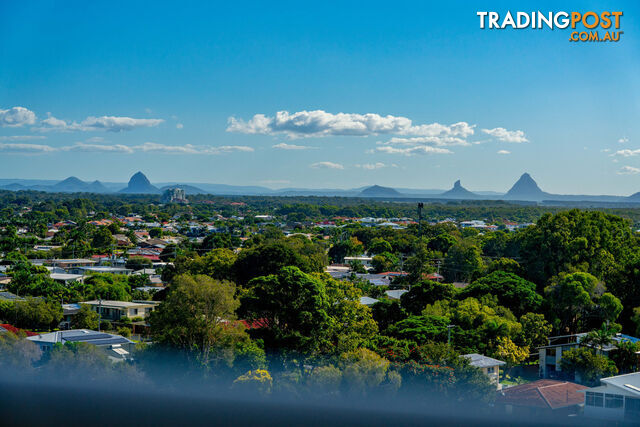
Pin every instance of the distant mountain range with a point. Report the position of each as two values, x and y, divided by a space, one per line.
525 189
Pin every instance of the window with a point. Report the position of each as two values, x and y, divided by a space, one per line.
593 399
490 370
613 401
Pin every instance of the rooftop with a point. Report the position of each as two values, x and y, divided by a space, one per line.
480 361
548 394
80 335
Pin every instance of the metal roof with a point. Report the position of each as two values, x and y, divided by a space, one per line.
480 361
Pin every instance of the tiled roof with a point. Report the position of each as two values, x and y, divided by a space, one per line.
550 394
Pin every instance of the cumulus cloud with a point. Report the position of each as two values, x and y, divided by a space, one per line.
16 117
504 152
319 123
98 148
623 140
147 147
283 146
410 151
501 134
21 137
104 123
326 165
627 153
372 166
628 170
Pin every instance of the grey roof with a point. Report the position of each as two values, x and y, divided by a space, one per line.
628 382
368 300
80 335
396 293
480 361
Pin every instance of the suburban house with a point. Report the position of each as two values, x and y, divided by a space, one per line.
364 260
542 397
550 355
368 301
489 366
616 398
101 269
69 263
66 278
117 347
116 310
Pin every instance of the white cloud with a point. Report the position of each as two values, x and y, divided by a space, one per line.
179 125
98 148
440 141
16 117
628 170
605 150
627 153
623 140
410 151
320 123
501 134
25 148
283 146
104 123
21 137
504 152
372 166
326 165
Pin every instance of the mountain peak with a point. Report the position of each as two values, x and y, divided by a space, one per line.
380 191
526 188
459 192
140 184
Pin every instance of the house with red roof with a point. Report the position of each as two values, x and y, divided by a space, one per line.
542 397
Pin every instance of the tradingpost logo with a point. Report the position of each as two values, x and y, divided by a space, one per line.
586 26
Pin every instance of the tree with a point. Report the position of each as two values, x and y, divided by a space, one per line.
507 265
508 351
85 318
462 262
198 317
535 330
379 246
103 240
599 338
138 263
586 366
571 296
217 263
625 356
513 292
269 258
363 370
424 293
421 329
344 248
386 312
308 313
36 313
385 261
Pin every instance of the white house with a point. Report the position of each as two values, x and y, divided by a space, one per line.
488 365
616 398
115 346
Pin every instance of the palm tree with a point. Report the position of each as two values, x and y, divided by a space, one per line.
599 338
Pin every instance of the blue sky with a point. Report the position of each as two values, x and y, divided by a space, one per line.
426 96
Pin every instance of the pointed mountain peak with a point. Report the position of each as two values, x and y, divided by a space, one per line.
526 188
459 192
